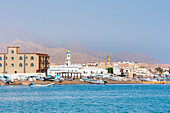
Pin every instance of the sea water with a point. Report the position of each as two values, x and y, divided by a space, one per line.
86 98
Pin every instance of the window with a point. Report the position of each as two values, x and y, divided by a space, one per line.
26 57
6 58
12 65
12 51
0 58
32 65
20 58
20 65
12 58
0 65
26 64
32 58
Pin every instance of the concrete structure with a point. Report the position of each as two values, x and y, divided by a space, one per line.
15 62
106 64
108 60
68 60
92 71
75 71
92 64
116 70
65 71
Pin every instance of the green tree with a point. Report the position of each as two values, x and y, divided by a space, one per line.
159 69
110 70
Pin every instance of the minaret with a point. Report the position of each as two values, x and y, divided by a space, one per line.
108 60
68 63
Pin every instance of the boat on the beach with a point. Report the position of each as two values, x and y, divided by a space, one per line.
117 78
93 81
6 79
41 85
56 78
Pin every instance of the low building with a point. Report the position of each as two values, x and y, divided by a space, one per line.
105 64
92 64
75 71
65 71
15 62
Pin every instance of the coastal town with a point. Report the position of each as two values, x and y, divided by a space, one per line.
36 69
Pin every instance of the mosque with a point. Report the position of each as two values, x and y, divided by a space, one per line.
74 71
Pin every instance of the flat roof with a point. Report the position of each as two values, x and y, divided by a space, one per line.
12 47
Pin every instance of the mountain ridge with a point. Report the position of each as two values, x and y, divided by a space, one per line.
9 34
30 42
57 55
117 57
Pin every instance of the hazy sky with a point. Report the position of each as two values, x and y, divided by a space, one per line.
141 26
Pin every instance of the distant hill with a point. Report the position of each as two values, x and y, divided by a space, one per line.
30 42
57 55
9 34
122 56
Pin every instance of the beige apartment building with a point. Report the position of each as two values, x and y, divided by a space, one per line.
15 62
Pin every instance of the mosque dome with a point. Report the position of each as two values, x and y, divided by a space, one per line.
68 52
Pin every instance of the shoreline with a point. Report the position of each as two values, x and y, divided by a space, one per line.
76 82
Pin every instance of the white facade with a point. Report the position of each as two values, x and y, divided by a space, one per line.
68 60
116 70
75 71
63 69
92 71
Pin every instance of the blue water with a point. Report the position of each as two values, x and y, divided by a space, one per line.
86 98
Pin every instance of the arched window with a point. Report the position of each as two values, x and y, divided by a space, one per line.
20 58
0 58
32 65
12 65
32 58
20 65
12 51
12 58
0 65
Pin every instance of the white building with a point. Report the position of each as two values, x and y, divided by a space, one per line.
68 60
74 71
92 71
116 70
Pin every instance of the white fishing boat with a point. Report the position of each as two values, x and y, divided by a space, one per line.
93 81
41 85
97 82
117 78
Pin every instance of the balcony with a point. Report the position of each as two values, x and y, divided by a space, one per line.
44 61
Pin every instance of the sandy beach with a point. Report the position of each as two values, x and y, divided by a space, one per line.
65 82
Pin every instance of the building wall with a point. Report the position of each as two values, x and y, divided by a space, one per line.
15 62
28 62
2 63
12 65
